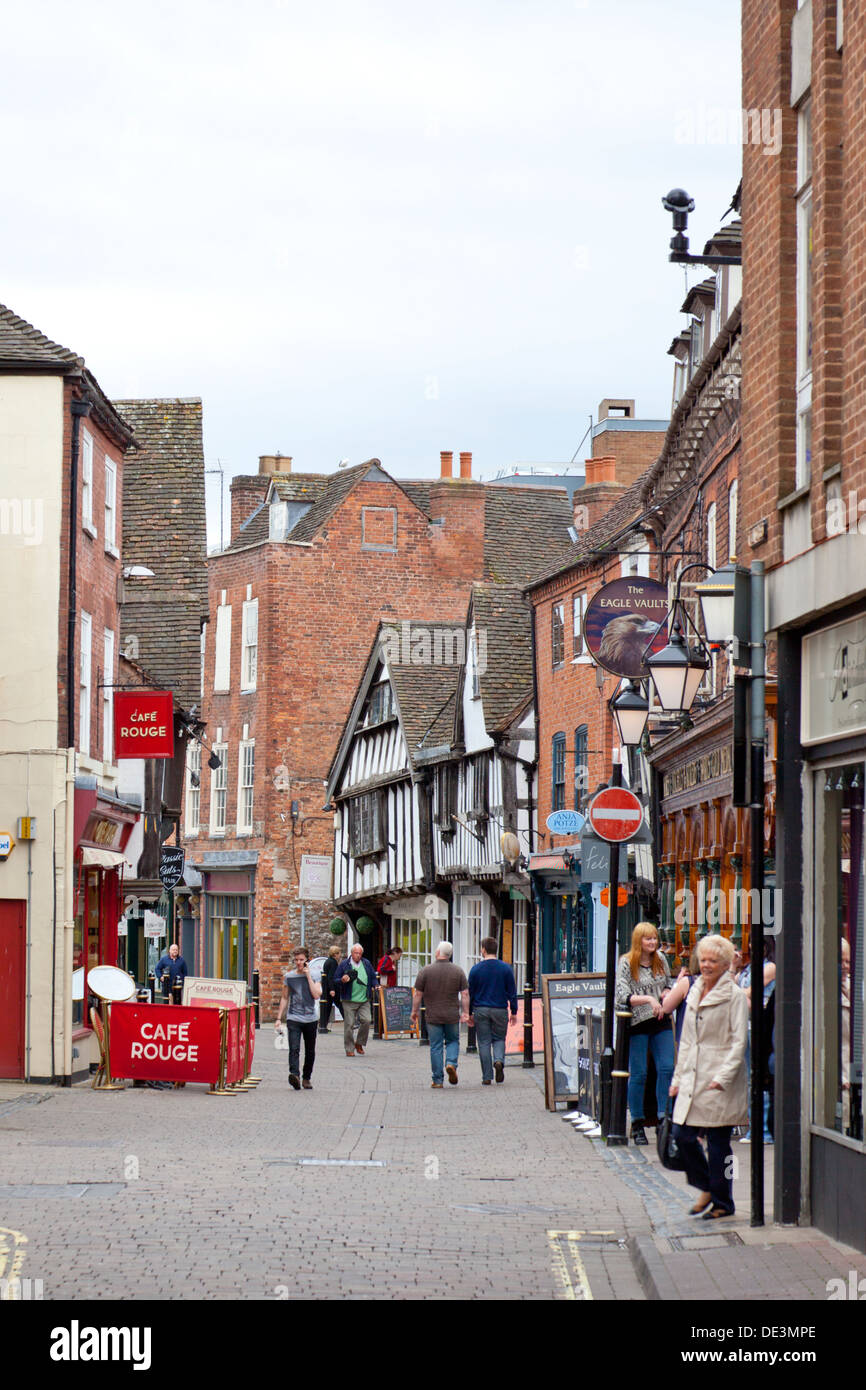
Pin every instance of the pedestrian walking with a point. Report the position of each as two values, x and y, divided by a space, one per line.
300 1008
444 991
492 990
642 984
357 980
387 968
710 1080
330 989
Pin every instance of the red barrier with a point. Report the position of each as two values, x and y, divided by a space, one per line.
234 1052
149 1042
252 1012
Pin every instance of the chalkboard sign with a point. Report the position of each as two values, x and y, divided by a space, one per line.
563 996
395 1012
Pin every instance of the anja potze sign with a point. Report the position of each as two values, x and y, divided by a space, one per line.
621 621
143 724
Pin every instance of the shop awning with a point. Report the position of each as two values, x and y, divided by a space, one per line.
101 858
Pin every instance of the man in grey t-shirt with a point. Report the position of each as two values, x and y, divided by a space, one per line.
299 1005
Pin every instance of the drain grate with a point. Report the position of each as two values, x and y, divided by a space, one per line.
341 1162
717 1241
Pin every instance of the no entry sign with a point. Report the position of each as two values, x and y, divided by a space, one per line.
615 814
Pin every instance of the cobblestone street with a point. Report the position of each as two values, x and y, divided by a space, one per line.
370 1186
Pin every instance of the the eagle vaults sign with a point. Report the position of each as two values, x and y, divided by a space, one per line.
143 724
621 621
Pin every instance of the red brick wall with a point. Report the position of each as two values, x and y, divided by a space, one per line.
319 608
97 574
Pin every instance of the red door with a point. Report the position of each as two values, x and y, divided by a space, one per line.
12 988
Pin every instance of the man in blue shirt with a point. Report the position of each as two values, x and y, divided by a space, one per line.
171 963
491 990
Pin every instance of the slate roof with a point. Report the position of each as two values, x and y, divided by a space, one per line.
505 615
24 349
425 692
164 529
290 487
23 345
522 524
603 536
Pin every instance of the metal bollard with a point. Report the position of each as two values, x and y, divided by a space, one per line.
256 998
423 1037
528 1060
616 1135
151 980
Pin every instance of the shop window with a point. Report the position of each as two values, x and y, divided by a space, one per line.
193 787
840 887
415 937
472 912
228 936
446 797
250 644
519 941
581 765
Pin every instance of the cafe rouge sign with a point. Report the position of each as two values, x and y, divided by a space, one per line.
143 724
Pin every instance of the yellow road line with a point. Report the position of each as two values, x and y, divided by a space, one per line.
568 1267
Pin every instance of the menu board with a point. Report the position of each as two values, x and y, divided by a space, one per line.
562 997
395 1011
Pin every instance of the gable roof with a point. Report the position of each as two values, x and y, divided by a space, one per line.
600 539
164 529
504 614
521 524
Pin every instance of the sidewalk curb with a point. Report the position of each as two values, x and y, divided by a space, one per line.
649 1267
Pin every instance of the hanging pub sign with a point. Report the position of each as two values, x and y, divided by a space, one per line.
621 621
170 866
143 724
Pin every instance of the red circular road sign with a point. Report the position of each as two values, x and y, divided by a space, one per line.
615 814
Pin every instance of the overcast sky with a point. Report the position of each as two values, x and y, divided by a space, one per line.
365 229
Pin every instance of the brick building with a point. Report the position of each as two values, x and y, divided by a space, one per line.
315 562
803 484
575 731
62 451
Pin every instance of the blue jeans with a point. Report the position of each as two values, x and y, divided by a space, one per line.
491 1027
661 1045
710 1171
441 1035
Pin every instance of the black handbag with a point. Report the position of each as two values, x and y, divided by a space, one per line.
666 1145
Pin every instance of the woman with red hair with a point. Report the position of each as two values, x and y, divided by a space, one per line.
642 982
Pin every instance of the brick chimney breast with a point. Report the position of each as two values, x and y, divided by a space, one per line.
466 465
446 463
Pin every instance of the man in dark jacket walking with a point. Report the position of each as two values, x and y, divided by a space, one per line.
491 990
357 980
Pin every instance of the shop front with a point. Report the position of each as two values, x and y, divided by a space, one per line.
102 826
565 912
224 948
704 865
833 736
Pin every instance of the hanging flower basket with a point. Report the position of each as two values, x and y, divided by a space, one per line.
338 927
365 925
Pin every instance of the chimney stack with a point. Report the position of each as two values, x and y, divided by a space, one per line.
466 465
601 470
600 491
275 463
446 463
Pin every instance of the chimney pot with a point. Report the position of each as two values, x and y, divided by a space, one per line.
600 470
275 463
446 463
466 465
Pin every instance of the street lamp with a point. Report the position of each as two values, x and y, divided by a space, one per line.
724 599
677 671
630 709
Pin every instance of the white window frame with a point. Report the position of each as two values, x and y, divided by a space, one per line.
222 649
108 697
84 684
733 502
246 783
249 649
712 537
219 790
87 483
557 616
805 226
519 941
193 793
111 508
578 609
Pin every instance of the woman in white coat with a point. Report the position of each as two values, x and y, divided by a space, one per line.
710 1081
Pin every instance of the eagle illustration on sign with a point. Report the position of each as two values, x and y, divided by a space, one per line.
623 622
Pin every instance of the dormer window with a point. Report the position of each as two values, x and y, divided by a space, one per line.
283 517
380 705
